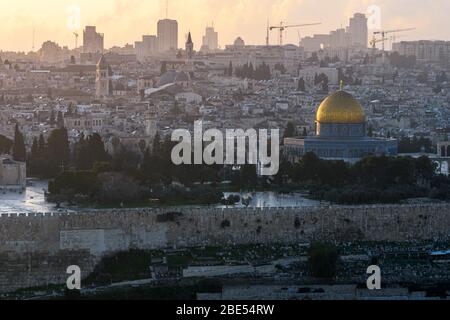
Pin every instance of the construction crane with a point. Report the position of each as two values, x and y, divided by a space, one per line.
282 27
374 41
384 33
76 39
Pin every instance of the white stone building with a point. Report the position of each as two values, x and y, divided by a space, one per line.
12 174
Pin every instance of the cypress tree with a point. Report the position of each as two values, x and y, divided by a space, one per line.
41 144
35 148
301 85
60 120
52 118
19 151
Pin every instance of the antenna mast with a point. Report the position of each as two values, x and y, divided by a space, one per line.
167 9
34 36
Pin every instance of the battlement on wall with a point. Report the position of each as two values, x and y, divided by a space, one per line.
206 209
199 225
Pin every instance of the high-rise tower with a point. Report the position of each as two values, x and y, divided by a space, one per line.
93 42
210 40
167 35
358 30
103 78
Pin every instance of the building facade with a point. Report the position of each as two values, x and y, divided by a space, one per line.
424 50
167 35
210 40
356 35
12 174
358 30
147 47
93 42
340 133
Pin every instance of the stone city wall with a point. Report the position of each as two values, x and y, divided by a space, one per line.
36 249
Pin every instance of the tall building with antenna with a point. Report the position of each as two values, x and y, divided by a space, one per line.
358 30
34 39
210 39
167 33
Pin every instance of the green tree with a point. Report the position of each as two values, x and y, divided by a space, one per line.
323 260
35 148
5 144
370 131
230 69
89 151
301 85
19 151
60 120
290 131
425 169
52 120
163 68
41 144
58 148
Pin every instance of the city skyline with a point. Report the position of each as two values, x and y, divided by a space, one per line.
126 21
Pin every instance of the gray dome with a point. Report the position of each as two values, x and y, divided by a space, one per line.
173 77
239 42
182 76
166 78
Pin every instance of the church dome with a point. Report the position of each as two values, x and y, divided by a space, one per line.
239 42
342 108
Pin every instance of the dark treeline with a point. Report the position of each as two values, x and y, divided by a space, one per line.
48 158
131 177
88 172
321 79
15 148
371 180
247 71
348 76
415 145
5 144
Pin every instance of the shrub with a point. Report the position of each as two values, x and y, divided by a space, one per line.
225 224
323 260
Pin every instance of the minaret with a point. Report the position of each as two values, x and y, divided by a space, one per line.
103 78
189 47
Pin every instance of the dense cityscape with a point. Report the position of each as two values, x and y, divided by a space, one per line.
87 176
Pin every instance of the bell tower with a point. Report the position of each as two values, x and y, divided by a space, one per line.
103 78
189 47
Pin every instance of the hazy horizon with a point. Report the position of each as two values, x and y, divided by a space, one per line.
125 21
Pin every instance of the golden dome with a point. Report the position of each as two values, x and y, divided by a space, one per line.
340 107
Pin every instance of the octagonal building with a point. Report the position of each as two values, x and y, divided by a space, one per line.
341 133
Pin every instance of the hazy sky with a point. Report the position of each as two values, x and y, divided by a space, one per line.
124 21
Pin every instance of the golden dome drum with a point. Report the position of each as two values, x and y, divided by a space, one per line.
340 107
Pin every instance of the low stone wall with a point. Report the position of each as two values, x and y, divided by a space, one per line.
36 249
